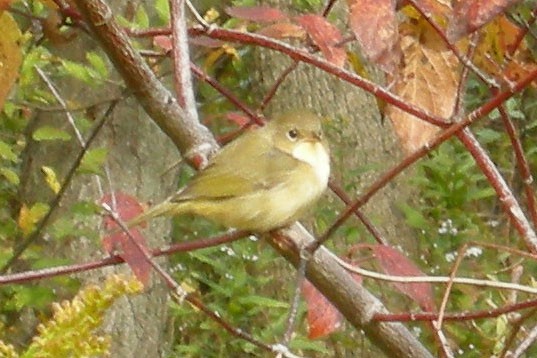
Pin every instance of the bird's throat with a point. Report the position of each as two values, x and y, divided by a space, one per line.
316 155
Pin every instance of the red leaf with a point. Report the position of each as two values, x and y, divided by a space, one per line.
323 318
134 255
127 207
374 24
325 35
256 13
395 263
163 41
282 30
469 15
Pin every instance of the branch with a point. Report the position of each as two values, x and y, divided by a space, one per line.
354 302
181 60
194 140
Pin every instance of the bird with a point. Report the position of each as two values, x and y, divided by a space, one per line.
265 179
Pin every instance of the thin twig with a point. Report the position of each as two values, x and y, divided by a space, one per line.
462 316
23 245
28 276
272 91
526 343
434 279
181 60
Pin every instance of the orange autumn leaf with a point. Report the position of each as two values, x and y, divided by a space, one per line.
10 55
322 317
428 78
500 53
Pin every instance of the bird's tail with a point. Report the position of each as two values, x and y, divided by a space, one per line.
164 208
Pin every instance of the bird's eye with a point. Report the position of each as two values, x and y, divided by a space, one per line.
292 134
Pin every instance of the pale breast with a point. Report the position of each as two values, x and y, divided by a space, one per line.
316 155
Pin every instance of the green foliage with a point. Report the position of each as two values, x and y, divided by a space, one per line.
245 282
21 122
93 161
457 205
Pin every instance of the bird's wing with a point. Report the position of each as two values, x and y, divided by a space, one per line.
239 170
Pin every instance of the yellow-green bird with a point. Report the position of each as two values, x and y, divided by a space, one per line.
265 179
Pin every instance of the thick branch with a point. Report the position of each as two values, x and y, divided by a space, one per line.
194 140
355 302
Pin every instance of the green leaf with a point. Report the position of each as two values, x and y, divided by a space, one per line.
98 64
50 133
10 175
163 10
85 208
78 71
33 296
140 18
414 218
93 161
51 178
6 152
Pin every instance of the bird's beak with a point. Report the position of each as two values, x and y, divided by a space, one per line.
315 137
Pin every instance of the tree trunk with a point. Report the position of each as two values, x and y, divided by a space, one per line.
138 163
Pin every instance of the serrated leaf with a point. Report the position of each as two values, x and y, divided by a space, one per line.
51 179
98 64
10 175
50 133
93 161
6 152
428 79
